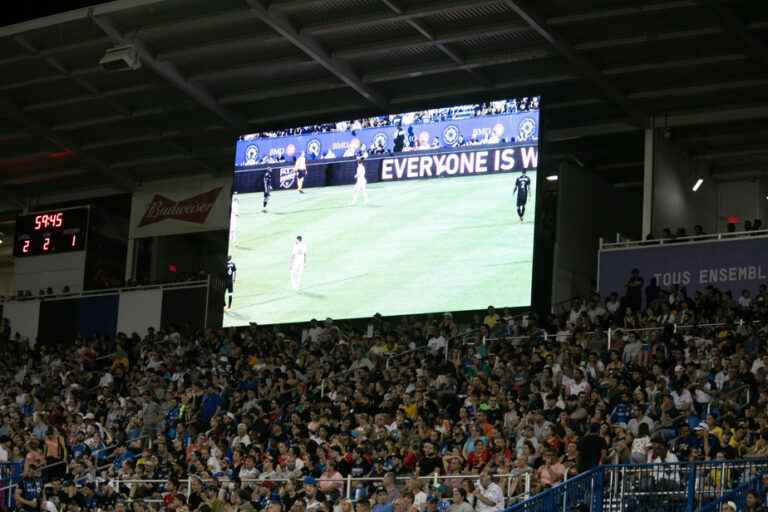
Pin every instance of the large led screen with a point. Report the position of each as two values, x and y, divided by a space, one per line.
409 213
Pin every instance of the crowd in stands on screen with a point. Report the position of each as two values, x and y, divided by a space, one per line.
411 118
698 231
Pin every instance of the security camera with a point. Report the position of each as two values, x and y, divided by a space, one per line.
121 58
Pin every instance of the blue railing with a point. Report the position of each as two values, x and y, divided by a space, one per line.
672 487
737 495
585 489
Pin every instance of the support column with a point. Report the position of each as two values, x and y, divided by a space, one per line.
648 164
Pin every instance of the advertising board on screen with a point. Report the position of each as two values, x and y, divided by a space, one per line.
407 213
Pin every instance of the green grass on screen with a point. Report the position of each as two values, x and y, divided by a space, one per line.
419 246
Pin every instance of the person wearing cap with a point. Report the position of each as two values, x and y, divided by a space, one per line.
313 498
432 503
730 506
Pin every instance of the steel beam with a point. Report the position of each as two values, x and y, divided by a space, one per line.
452 36
581 64
417 11
75 15
170 73
311 47
755 48
43 131
422 29
83 98
222 46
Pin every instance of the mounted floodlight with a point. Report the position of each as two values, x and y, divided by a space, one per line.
121 58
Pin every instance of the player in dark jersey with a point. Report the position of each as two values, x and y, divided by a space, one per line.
230 280
522 186
267 188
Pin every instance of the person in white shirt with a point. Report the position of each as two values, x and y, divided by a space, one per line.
632 349
360 181
3 450
242 438
759 363
234 215
436 343
298 260
660 455
746 299
419 496
106 380
681 397
490 497
613 304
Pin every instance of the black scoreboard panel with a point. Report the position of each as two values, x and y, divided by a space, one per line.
51 232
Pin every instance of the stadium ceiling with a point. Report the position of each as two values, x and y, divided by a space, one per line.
214 69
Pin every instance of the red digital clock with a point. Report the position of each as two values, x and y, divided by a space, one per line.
49 220
51 232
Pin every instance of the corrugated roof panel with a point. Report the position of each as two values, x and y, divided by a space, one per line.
244 62
62 35
308 12
199 31
509 41
490 12
645 23
275 78
400 57
351 36
172 11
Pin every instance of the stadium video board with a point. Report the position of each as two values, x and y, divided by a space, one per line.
410 213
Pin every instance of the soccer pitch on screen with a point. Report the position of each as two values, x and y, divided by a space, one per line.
418 246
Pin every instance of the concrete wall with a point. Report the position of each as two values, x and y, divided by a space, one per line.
675 204
742 199
588 208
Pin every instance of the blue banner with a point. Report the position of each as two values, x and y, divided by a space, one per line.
391 138
404 166
733 265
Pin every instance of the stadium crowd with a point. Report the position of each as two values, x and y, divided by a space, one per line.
276 419
434 115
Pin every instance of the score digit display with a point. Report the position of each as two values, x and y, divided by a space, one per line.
51 232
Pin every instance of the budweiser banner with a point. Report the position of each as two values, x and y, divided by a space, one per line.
181 206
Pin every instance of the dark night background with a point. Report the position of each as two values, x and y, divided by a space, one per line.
24 10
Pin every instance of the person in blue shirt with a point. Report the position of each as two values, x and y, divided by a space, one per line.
209 406
383 504
29 491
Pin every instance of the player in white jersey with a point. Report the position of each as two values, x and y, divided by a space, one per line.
360 181
300 169
233 216
298 259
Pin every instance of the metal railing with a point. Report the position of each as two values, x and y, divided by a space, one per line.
356 487
585 489
668 487
736 235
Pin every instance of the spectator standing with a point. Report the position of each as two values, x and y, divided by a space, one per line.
634 291
592 449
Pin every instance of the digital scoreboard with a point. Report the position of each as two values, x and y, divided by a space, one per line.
51 232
